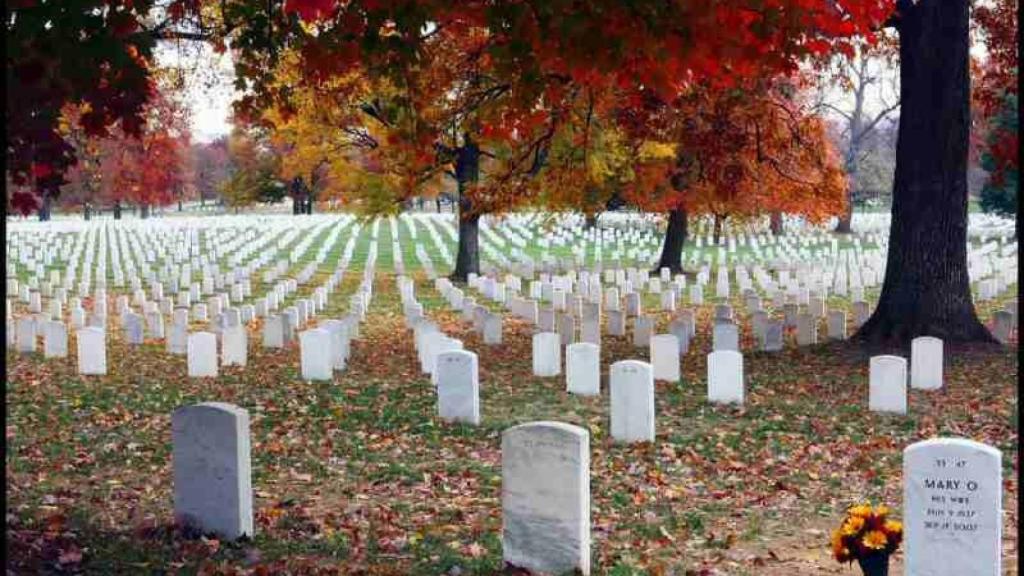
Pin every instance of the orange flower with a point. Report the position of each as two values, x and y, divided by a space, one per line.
881 511
875 540
860 510
893 527
853 525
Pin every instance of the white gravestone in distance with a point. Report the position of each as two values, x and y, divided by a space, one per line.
631 390
92 351
234 346
926 363
952 508
583 369
202 355
545 497
725 336
547 354
887 381
665 357
315 354
212 470
725 377
458 386
55 339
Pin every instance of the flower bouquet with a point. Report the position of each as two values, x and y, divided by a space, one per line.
868 536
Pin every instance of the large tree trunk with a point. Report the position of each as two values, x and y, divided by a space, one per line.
117 210
144 211
467 173
776 224
926 289
675 237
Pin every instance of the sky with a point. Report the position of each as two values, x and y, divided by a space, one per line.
209 88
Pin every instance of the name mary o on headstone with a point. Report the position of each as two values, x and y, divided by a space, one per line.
545 497
212 471
952 508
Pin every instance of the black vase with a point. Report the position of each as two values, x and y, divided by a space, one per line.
874 565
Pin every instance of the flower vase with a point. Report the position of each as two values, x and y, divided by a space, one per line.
874 565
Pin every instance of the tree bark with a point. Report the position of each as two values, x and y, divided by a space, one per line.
717 233
467 173
926 289
437 201
179 205
87 211
675 237
776 224
144 211
590 221
45 208
117 210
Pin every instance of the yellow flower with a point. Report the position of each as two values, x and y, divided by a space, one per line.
875 540
881 510
893 527
853 525
860 510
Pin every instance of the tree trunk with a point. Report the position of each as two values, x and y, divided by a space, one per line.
590 221
202 201
467 173
926 289
717 233
776 224
179 205
117 210
87 211
45 207
675 237
296 205
144 211
437 201
850 164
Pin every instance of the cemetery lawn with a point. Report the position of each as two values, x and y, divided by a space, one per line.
358 475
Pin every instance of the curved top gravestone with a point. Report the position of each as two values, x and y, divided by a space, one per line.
545 497
952 508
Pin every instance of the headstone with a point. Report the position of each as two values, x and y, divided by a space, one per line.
616 323
888 384
643 329
547 354
567 329
665 357
861 313
725 337
837 325
1002 325
545 497
806 329
26 335
583 369
952 508
725 377
926 363
681 330
632 401
134 328
92 351
458 386
212 471
202 355
492 329
773 332
55 339
234 346
273 331
315 354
